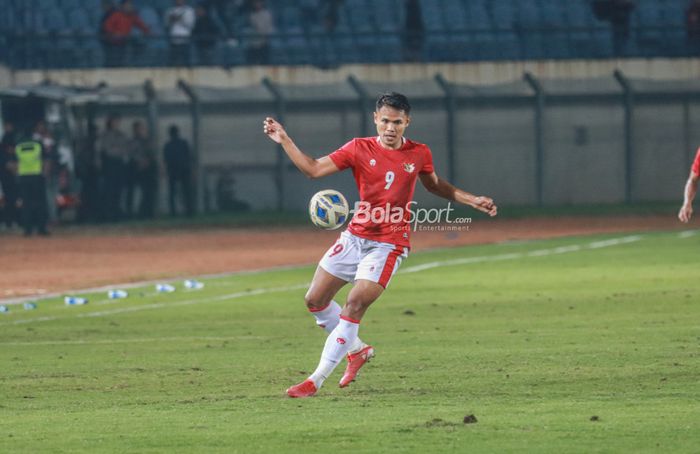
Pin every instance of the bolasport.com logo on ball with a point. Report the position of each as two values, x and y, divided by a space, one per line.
411 217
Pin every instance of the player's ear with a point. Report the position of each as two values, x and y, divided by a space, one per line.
376 117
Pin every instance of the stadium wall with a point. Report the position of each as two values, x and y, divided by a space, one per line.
468 73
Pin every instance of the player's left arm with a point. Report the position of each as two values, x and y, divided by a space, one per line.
444 189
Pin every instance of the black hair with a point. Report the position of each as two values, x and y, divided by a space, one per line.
394 100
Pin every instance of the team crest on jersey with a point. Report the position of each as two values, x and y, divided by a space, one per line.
373 162
409 167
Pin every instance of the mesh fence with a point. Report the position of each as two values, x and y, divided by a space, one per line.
596 144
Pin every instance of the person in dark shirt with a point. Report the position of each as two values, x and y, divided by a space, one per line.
413 33
692 21
204 35
8 176
176 154
618 13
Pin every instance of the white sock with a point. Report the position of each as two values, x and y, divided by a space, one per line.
343 336
328 318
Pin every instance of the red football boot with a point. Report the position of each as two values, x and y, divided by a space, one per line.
355 362
307 388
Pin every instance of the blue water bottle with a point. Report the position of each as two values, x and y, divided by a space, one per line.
193 285
75 301
117 294
165 288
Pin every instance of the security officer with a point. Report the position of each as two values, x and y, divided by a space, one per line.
32 186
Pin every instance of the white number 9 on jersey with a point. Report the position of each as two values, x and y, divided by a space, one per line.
389 179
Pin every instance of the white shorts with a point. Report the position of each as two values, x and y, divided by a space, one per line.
352 258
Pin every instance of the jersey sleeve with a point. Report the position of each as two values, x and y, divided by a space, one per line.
344 157
427 162
696 164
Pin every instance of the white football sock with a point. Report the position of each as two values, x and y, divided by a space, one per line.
328 318
343 336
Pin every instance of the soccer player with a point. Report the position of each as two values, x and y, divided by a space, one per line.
368 253
691 188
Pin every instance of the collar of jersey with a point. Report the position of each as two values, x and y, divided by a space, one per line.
403 142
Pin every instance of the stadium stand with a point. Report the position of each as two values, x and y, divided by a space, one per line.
63 33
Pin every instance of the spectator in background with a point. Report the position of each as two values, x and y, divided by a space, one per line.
31 168
180 20
205 35
113 157
692 21
309 11
263 26
331 14
221 9
117 30
107 9
618 13
413 33
8 174
178 164
142 171
43 135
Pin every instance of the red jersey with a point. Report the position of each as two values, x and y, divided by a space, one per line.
386 180
119 24
696 164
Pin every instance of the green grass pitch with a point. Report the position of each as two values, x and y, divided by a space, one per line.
568 345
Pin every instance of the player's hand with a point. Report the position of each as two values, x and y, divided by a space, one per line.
686 213
274 130
486 205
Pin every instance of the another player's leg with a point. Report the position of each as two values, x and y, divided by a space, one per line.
342 337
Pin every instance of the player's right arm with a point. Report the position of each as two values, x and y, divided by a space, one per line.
312 168
691 188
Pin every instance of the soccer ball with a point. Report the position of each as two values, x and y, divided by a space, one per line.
328 209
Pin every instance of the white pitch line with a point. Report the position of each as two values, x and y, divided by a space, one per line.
236 295
519 255
687 233
134 340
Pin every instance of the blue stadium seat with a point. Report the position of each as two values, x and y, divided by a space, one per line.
46 5
389 14
289 18
586 34
152 19
79 22
67 5
359 16
54 21
503 14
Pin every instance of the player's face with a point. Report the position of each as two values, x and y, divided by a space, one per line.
391 124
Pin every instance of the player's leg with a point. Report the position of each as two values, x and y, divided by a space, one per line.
374 272
336 268
345 334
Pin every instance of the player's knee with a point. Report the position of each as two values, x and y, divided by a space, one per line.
314 301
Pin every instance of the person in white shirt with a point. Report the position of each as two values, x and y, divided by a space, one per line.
180 20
